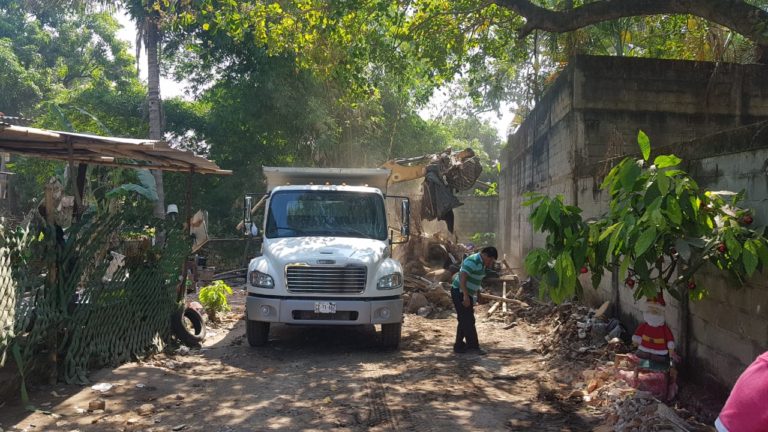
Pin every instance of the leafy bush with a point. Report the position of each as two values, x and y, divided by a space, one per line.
482 239
213 297
660 229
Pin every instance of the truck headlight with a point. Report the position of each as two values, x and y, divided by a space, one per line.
261 280
391 281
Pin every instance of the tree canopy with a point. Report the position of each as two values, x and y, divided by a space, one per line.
333 83
502 50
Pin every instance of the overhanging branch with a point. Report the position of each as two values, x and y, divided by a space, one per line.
737 15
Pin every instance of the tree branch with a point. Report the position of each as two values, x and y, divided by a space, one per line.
737 15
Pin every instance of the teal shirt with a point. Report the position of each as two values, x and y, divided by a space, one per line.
475 270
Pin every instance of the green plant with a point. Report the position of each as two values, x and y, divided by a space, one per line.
491 191
213 297
482 239
660 229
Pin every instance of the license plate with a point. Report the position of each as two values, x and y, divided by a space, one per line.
325 307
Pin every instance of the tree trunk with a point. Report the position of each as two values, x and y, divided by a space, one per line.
153 100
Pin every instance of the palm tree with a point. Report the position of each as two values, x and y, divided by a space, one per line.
147 20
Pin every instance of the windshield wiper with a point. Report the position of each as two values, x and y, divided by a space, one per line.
348 230
295 230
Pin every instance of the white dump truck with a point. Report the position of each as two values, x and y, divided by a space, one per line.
326 252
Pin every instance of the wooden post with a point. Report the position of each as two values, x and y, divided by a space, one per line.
685 313
182 291
52 286
504 294
616 295
82 171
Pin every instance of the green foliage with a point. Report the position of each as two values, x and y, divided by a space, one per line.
147 189
660 229
483 239
440 40
491 191
213 297
65 68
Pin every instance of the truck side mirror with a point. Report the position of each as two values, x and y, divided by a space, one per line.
405 216
248 221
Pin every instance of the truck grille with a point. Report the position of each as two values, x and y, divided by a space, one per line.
305 279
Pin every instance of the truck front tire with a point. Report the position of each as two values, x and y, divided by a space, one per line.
257 332
390 335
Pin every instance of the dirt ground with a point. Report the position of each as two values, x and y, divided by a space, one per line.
321 379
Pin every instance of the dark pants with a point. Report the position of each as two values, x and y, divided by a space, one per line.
465 330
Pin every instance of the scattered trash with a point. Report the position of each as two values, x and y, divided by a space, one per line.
102 387
140 385
179 427
145 410
97 404
424 311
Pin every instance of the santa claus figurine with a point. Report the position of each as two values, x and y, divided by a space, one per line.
653 338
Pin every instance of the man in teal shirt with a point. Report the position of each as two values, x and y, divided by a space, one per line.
464 291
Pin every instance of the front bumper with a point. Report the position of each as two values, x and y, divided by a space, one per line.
301 311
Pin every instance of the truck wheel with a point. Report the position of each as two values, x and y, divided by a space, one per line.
257 332
390 335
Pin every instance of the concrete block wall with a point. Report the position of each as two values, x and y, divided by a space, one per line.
479 214
592 114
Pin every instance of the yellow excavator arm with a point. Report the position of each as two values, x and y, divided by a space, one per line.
401 173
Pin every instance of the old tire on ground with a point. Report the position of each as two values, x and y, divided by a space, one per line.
390 335
257 332
188 326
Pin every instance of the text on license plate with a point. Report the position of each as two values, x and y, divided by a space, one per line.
325 307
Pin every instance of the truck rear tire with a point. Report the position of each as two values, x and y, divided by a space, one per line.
390 335
257 332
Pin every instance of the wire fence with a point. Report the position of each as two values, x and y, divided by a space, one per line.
67 305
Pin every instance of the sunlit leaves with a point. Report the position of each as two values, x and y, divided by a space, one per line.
660 229
645 145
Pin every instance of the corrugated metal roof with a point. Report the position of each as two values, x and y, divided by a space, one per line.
94 149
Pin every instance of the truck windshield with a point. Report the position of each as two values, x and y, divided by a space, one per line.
326 213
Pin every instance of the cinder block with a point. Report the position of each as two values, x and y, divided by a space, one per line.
722 367
725 341
747 327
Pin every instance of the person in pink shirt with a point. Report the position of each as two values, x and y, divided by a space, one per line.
746 409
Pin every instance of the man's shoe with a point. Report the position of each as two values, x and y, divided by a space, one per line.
459 350
477 351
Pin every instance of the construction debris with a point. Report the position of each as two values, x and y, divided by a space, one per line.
581 345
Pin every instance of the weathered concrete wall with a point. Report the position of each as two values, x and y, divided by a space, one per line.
592 114
479 214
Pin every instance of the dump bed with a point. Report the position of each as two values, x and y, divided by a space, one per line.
372 177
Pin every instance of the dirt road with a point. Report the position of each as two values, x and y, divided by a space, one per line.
319 379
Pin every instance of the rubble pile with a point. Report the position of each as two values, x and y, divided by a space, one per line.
427 298
580 345
641 412
430 265
577 332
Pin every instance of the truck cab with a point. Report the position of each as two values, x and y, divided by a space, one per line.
326 253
